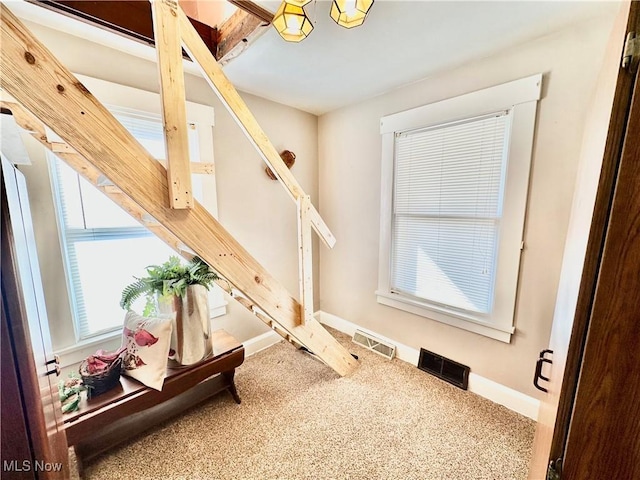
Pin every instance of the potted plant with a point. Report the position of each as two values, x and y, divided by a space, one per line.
181 290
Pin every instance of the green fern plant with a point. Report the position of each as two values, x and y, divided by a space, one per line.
170 278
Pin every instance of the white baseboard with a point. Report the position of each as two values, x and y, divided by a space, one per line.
497 393
403 352
508 397
256 344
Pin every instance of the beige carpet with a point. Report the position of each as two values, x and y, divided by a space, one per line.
298 420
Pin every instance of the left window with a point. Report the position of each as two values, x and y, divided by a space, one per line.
104 247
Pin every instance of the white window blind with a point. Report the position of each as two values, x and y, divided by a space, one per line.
447 204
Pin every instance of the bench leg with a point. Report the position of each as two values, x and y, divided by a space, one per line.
75 464
229 377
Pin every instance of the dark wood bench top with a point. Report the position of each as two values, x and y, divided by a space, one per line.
132 396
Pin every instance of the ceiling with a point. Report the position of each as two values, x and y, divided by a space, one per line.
400 42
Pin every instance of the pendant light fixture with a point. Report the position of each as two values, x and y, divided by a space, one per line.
291 21
350 13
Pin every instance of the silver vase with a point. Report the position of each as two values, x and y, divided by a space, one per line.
191 333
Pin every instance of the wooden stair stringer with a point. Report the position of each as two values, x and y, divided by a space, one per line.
50 93
93 176
275 326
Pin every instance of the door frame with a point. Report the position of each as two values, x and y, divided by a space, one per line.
602 439
41 406
585 359
596 242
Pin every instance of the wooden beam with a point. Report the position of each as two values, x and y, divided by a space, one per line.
26 121
203 168
247 122
111 190
197 168
36 79
85 169
305 258
172 94
93 176
254 9
57 147
235 34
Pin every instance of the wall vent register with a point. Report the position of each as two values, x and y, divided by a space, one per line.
453 372
374 344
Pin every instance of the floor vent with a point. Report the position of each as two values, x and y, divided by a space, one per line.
374 344
443 368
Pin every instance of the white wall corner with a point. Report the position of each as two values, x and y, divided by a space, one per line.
256 344
496 392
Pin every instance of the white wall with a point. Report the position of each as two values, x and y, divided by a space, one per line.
254 208
350 145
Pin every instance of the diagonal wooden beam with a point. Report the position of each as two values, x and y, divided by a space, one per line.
174 111
40 83
37 130
254 9
235 34
244 118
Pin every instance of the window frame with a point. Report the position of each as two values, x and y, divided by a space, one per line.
520 97
125 100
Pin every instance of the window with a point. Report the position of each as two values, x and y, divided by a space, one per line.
104 247
454 187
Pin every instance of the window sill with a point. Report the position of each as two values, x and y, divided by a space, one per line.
81 350
417 308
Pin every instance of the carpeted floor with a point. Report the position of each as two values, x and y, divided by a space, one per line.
299 420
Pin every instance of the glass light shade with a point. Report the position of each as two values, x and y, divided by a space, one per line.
350 13
292 22
299 3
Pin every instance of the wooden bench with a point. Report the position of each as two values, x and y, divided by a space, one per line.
131 407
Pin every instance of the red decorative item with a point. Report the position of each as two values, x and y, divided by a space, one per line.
141 338
144 338
100 372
